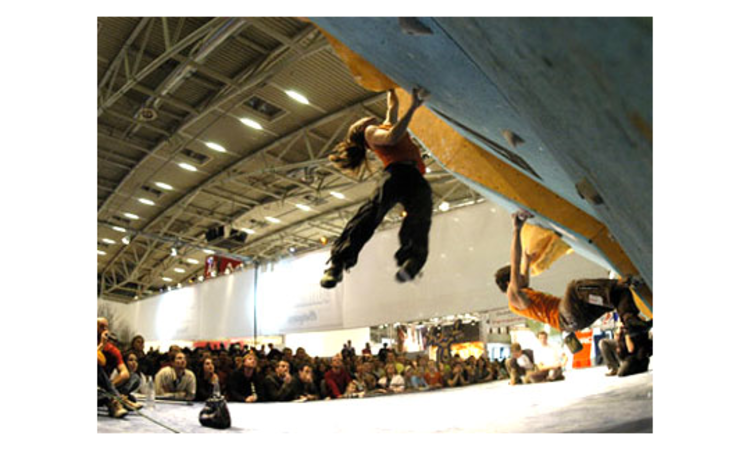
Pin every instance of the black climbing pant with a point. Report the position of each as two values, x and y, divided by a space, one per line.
402 183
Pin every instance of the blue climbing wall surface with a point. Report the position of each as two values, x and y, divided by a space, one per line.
577 91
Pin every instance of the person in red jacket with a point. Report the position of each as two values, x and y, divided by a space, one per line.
337 378
403 182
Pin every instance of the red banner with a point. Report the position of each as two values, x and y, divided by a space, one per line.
583 358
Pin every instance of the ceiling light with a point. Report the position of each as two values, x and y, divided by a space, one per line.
292 249
299 97
201 278
192 261
303 207
101 252
108 241
187 166
120 229
251 123
324 240
179 270
131 216
167 279
179 285
126 240
445 206
338 195
272 219
208 251
247 231
215 146
146 201
403 213
164 185
428 170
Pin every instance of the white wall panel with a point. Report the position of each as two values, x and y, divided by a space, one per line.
326 344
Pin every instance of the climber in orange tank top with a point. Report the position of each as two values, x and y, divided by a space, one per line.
584 300
403 182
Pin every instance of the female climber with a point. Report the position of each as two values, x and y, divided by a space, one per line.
402 182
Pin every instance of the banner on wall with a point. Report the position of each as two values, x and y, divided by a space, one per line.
290 298
216 265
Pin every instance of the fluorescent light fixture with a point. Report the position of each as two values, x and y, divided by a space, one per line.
303 207
208 251
131 216
179 270
428 170
120 229
247 231
167 279
108 241
292 249
445 206
251 123
164 185
126 240
173 252
101 252
215 146
187 166
146 201
272 219
192 261
299 97
338 195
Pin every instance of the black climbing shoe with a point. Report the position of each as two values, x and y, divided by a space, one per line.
408 271
331 277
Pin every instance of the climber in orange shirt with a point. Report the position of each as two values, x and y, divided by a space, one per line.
584 300
403 182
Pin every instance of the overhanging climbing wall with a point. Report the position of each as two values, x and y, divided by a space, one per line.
577 92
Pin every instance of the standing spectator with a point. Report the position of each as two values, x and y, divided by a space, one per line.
383 353
278 385
208 380
337 379
367 350
273 353
246 383
176 381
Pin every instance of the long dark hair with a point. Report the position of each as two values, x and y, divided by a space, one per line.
350 154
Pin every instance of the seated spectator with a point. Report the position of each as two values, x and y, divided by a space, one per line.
337 378
520 364
391 359
458 375
483 371
362 383
433 376
176 381
368 376
621 356
109 355
549 358
246 384
278 385
378 369
392 381
132 384
207 380
303 385
414 378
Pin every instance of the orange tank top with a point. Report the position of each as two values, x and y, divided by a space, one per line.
543 308
404 150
